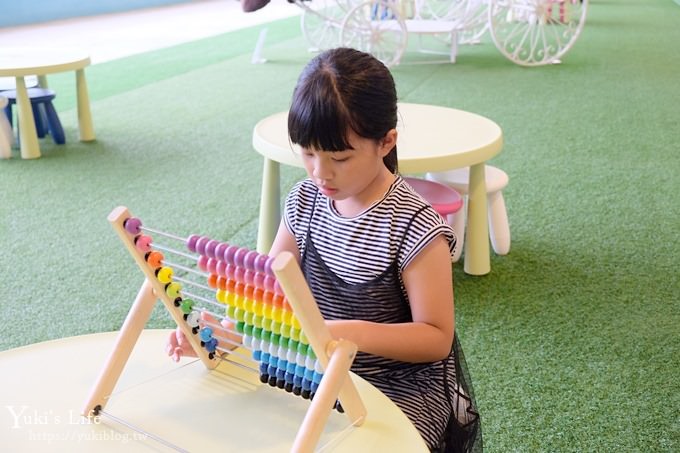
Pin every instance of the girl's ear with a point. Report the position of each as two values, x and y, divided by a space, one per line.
388 142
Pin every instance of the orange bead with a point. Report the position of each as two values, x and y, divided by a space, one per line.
154 259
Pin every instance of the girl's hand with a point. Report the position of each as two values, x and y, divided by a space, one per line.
178 345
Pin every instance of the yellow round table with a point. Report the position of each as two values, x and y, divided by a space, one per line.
177 407
22 62
431 138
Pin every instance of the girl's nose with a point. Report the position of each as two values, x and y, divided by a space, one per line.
322 170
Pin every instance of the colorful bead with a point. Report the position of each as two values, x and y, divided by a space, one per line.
164 274
186 306
206 334
173 289
154 259
143 243
210 248
191 242
132 225
193 318
229 254
219 250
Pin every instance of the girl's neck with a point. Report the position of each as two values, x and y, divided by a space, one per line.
373 193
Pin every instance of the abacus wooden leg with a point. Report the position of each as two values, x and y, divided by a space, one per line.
125 342
335 376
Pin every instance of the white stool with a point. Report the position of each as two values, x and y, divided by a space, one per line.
496 179
6 133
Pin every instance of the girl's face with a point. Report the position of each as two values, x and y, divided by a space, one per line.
355 175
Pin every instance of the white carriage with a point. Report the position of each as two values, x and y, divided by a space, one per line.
528 32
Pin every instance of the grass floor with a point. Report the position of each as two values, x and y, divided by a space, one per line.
572 340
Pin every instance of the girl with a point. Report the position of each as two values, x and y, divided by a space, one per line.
376 256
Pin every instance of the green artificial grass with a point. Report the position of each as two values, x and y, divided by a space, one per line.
572 339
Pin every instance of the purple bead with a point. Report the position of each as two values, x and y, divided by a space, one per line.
210 248
229 254
219 250
133 225
240 256
249 260
260 262
268 266
201 243
191 242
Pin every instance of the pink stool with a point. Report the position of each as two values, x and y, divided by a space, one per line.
446 201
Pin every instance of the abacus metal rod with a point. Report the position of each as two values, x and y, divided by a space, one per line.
162 233
185 268
176 252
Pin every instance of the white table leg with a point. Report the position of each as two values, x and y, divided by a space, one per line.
30 149
477 261
270 210
84 114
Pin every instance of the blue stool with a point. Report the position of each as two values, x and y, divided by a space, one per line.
43 112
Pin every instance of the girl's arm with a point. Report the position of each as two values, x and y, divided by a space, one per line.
284 241
429 284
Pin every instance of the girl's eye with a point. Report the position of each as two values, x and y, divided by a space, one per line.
341 159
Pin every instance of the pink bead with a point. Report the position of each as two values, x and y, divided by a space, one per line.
133 225
239 274
203 263
222 268
277 288
143 243
269 282
229 271
191 242
212 265
249 277
258 280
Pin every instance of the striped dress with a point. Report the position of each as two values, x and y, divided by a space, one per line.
353 267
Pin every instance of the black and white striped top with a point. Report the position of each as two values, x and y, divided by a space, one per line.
361 247
353 267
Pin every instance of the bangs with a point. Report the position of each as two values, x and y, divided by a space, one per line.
318 119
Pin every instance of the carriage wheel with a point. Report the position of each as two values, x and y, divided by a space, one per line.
536 32
321 22
476 22
376 27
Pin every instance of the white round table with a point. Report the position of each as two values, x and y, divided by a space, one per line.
45 386
431 138
21 62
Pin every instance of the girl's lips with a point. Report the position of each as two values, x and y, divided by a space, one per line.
328 191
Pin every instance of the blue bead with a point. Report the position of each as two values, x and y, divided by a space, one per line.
206 334
257 354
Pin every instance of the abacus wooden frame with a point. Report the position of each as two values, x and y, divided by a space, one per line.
336 357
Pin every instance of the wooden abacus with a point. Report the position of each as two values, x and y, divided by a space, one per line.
267 300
